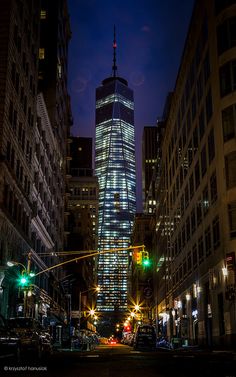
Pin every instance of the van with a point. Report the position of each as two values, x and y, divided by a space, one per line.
145 338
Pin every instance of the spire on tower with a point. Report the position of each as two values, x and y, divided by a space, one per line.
114 67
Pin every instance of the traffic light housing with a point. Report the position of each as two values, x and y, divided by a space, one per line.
145 259
137 256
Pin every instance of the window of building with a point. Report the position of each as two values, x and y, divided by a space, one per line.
229 122
205 200
186 196
216 232
8 151
194 253
179 243
197 175
195 140
202 123
199 211
10 112
228 78
200 250
188 233
15 116
203 161
13 72
41 53
232 219
182 205
226 35
213 188
17 82
184 134
208 241
190 154
194 107
230 167
191 186
182 106
193 220
189 261
211 146
209 105
185 267
43 14
206 67
199 87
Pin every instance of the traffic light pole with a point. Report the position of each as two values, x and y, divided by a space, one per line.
92 254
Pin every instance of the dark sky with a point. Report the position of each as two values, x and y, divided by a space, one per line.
150 39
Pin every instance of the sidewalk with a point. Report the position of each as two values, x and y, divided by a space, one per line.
82 348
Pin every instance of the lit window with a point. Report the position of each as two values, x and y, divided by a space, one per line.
41 53
59 70
43 14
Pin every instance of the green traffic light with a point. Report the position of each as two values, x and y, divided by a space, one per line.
146 262
23 281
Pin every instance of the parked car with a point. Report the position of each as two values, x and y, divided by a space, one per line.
145 338
9 342
33 337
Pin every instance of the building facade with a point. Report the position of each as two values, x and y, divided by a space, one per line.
115 169
82 218
149 160
32 168
195 219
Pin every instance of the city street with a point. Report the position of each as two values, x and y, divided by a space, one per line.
122 361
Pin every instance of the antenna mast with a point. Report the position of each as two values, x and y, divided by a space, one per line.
114 67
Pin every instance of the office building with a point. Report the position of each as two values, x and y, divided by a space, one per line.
115 169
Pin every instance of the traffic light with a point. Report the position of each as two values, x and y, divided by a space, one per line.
145 259
24 280
137 256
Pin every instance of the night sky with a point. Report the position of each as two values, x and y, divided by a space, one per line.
150 38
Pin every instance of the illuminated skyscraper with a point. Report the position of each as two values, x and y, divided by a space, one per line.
115 168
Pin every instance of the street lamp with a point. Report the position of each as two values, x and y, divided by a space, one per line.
13 263
95 289
24 279
92 312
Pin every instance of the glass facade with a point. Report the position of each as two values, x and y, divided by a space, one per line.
115 169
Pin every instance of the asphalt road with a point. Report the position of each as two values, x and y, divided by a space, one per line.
122 361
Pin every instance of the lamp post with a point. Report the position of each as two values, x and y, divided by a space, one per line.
95 289
24 280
